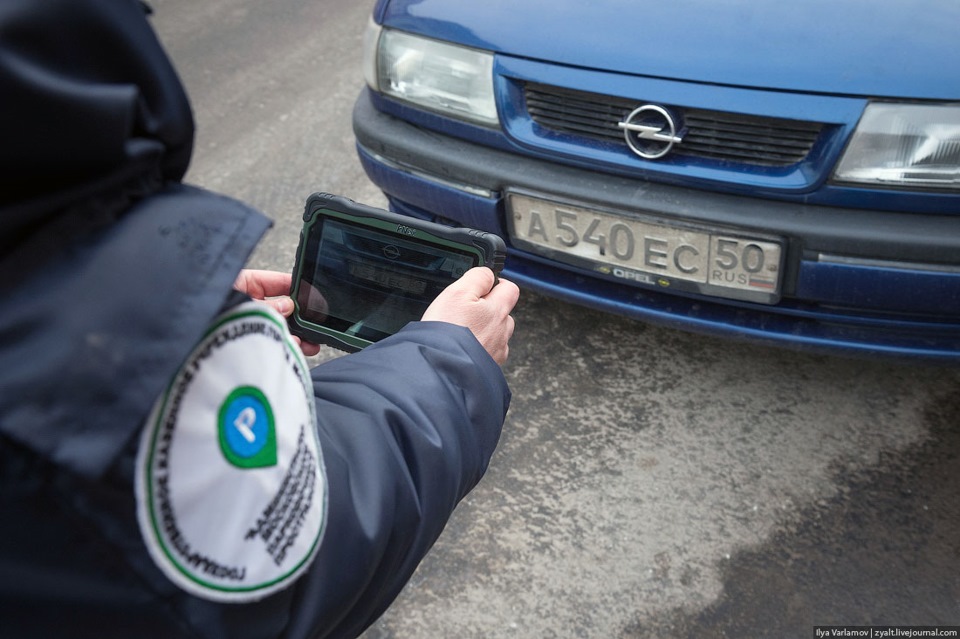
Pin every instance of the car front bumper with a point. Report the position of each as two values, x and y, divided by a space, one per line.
862 281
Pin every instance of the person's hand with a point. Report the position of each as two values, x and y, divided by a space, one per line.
272 288
474 302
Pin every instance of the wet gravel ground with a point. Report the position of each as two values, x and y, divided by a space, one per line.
884 550
683 486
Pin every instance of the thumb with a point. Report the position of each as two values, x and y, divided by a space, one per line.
477 282
283 305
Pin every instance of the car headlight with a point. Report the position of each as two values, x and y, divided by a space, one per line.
906 145
451 79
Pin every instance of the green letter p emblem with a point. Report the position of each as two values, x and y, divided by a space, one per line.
248 437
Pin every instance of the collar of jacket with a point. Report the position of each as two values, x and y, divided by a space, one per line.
92 336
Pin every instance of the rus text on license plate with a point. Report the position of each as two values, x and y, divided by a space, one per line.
647 250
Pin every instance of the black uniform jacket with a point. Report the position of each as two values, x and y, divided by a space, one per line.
111 271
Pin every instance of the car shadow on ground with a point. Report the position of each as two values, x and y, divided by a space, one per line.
883 551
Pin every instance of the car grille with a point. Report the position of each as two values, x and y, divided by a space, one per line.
405 256
718 135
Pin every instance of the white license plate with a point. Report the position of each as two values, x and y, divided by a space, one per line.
648 250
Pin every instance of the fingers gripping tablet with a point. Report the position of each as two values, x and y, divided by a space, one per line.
363 273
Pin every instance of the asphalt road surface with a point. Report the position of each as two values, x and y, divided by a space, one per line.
649 483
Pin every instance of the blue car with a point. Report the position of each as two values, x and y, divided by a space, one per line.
777 171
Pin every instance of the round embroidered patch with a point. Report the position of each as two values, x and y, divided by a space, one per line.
231 488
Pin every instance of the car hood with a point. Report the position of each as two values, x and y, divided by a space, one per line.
862 47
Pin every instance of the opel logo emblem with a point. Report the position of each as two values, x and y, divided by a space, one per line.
391 252
650 131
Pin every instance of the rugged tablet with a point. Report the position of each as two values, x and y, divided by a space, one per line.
363 273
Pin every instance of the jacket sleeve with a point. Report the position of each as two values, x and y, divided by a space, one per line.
407 427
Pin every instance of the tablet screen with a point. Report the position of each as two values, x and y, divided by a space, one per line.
369 283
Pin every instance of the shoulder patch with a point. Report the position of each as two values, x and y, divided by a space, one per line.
231 487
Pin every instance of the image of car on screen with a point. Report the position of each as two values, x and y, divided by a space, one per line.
370 285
